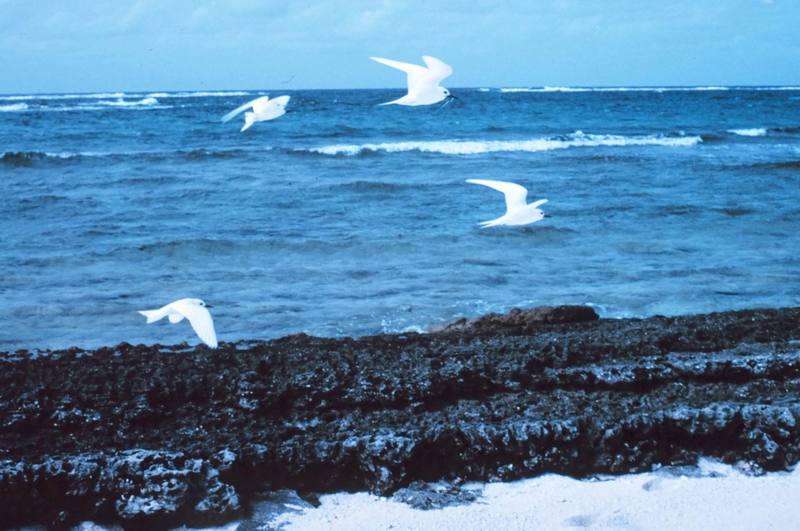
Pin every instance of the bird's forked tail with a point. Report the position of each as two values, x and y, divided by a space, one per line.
249 120
153 315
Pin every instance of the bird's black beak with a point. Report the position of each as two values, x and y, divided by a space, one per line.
209 306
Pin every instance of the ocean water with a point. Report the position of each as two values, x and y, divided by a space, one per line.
346 218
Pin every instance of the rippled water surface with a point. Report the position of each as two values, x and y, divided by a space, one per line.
344 218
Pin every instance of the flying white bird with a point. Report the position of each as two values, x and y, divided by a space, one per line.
263 109
192 309
518 212
423 83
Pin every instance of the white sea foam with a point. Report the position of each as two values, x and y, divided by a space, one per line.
105 106
120 95
518 89
128 103
208 94
778 88
754 131
57 155
475 147
98 95
14 107
615 89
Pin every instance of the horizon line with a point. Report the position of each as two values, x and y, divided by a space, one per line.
474 87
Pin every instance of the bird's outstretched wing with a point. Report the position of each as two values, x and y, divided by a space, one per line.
416 74
274 107
201 322
267 110
515 194
280 101
408 68
437 68
242 108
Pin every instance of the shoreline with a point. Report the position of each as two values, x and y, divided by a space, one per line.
698 497
154 436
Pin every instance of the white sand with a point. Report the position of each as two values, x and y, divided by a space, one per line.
721 499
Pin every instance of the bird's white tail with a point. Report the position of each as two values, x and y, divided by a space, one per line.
153 315
249 120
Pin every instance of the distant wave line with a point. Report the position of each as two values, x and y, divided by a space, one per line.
128 103
200 94
14 107
102 105
23 158
118 95
97 95
752 131
475 147
546 89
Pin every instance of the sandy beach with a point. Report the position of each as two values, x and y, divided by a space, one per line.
713 496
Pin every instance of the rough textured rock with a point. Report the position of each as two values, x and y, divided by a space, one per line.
153 436
522 321
436 495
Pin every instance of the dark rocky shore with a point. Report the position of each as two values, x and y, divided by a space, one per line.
153 436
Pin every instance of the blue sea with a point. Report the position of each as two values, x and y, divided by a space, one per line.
344 218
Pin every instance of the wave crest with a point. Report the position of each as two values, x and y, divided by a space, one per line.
477 147
199 94
753 131
26 158
127 103
14 107
97 95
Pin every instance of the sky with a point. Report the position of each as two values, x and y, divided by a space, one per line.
133 45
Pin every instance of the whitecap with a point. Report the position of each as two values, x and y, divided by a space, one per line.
207 94
14 107
789 87
612 89
123 103
566 89
476 147
96 95
753 131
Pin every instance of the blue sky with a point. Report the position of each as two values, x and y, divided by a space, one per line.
82 46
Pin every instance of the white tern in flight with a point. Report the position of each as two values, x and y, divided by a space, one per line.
518 212
195 310
263 109
423 82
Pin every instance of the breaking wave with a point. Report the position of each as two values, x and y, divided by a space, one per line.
26 158
199 94
475 147
623 89
97 95
14 107
127 103
753 131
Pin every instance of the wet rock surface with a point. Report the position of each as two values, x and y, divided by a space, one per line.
153 436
